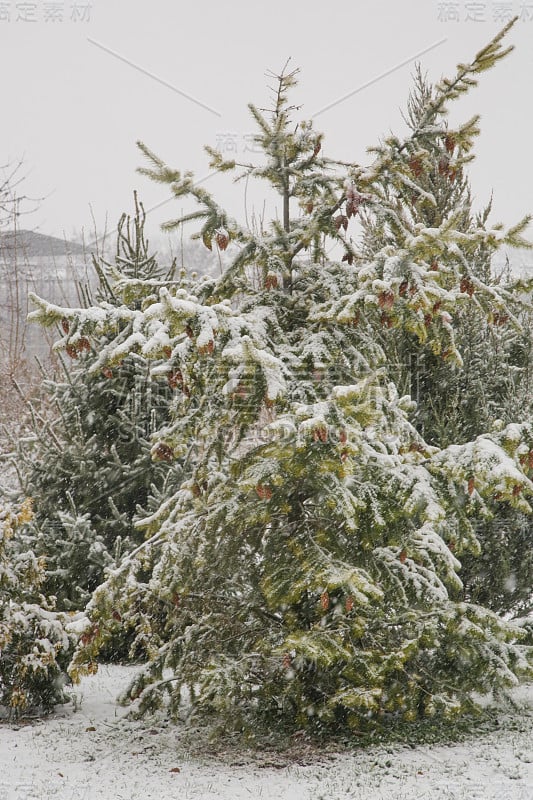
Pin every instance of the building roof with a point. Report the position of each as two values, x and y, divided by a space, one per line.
30 244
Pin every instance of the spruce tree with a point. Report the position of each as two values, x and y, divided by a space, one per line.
306 569
35 647
492 385
88 466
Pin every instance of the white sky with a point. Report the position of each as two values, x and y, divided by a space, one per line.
74 111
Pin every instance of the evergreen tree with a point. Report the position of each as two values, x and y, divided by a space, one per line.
458 401
35 647
307 567
89 468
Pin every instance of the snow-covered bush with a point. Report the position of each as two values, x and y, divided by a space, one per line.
35 647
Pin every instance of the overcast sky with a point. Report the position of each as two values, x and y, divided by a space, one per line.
80 84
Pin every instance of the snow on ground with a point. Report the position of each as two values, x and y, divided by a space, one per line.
93 751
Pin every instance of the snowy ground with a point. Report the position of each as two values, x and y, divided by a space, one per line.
95 752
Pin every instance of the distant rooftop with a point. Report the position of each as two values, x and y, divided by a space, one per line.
30 244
